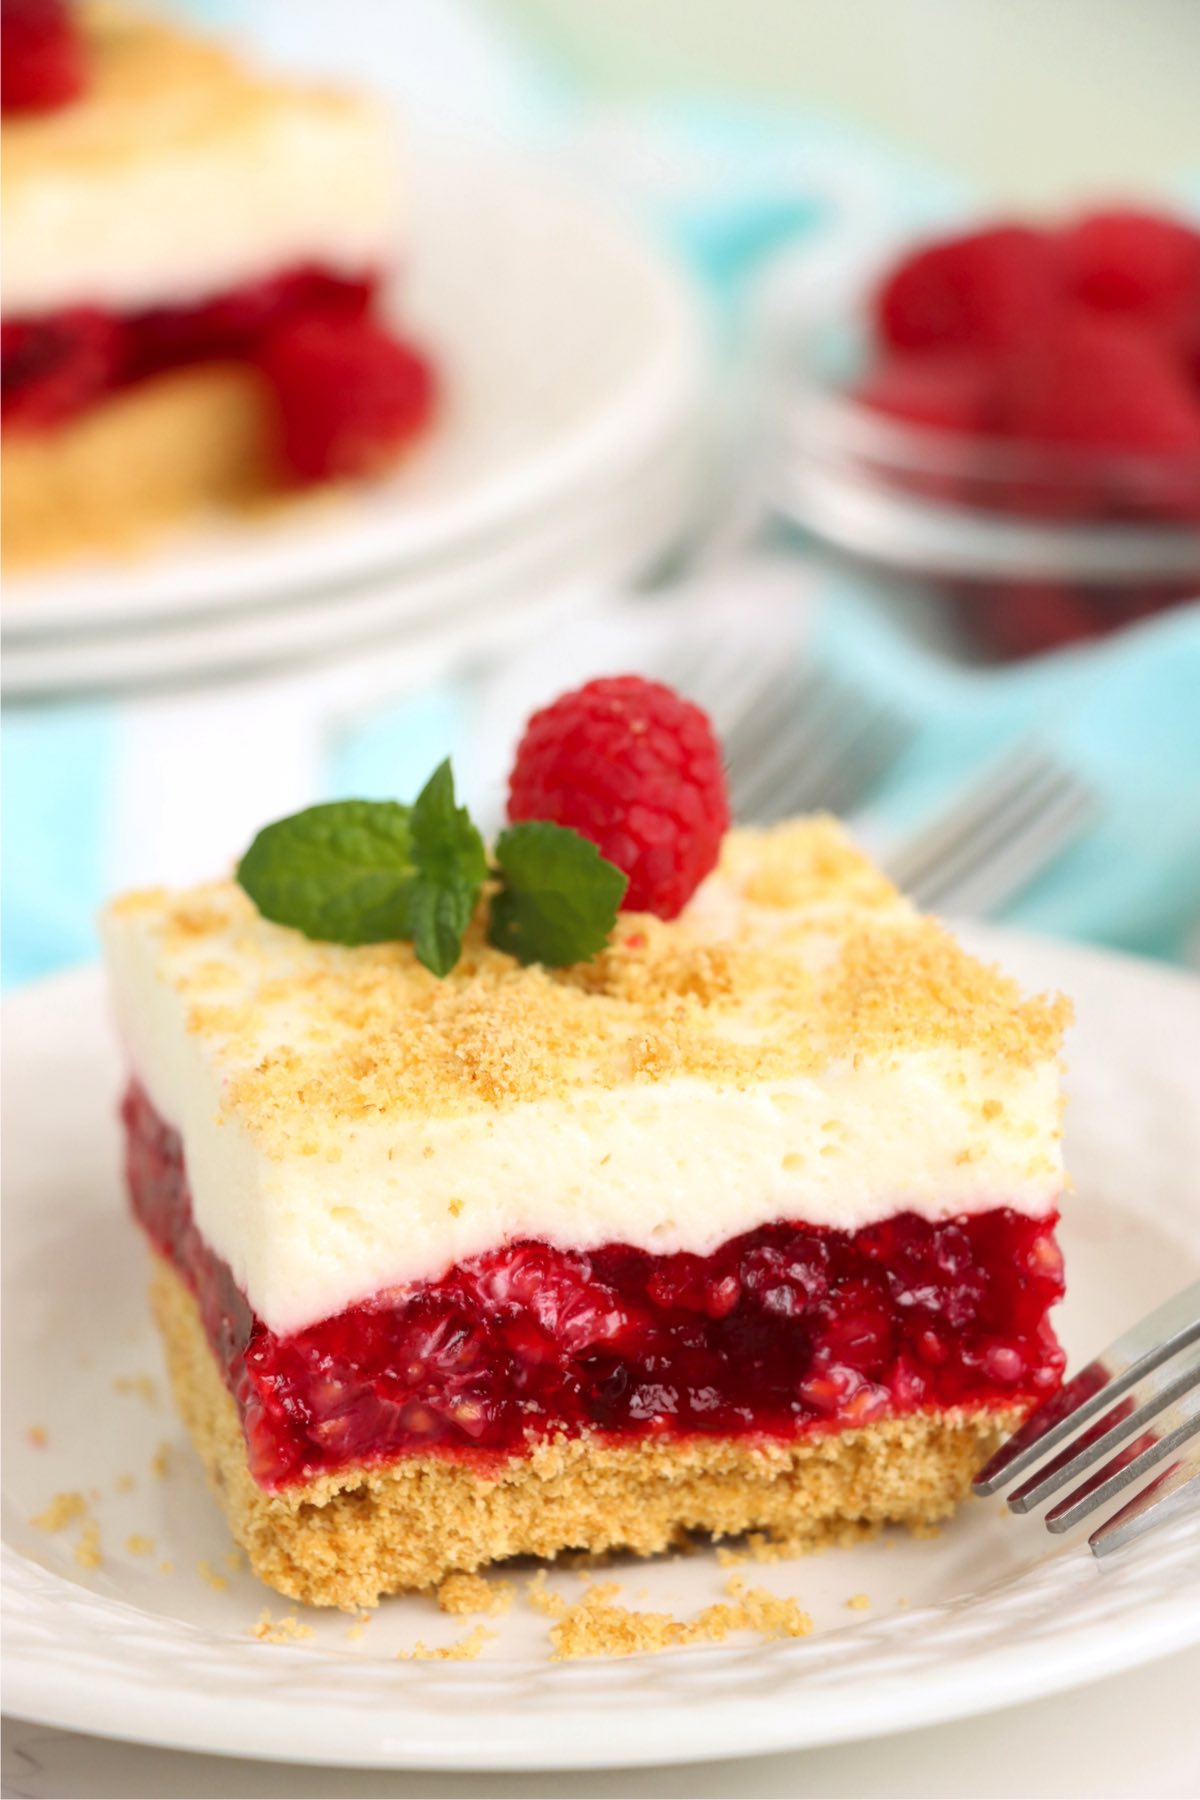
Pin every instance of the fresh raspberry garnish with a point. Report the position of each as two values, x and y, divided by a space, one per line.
348 395
947 390
1100 384
985 291
1138 266
637 769
53 368
43 61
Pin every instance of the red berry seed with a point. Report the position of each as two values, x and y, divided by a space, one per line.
637 769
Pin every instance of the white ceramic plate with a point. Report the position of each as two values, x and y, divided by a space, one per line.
997 1612
477 597
568 347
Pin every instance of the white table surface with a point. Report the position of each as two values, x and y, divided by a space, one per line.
1134 1736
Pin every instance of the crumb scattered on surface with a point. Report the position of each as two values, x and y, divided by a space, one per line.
160 1462
235 1560
37 1436
731 1559
463 1594
142 1387
288 1630
464 1650
124 1484
87 1550
138 1544
596 1626
214 1578
924 1528
166 1567
902 1600
543 1599
859 1602
356 1630
773 1615
62 1511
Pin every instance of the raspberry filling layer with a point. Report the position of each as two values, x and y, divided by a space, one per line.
785 1329
313 332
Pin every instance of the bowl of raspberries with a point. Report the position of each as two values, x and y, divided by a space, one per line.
1010 414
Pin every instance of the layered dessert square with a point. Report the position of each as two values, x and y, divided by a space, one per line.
193 308
747 1222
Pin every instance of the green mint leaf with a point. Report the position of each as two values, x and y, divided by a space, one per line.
343 872
437 918
559 896
451 866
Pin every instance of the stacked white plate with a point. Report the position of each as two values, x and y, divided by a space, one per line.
569 447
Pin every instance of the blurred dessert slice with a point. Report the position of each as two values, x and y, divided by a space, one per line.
192 294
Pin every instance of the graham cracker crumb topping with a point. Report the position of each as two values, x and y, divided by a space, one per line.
795 955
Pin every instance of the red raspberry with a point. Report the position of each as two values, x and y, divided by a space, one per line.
1137 266
947 390
637 769
985 291
1099 384
43 60
348 395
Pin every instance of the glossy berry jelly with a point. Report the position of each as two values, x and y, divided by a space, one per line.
55 366
785 1329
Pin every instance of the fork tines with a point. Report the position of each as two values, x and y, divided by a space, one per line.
1012 819
1133 1409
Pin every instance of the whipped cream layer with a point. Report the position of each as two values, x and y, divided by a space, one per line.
348 1125
180 175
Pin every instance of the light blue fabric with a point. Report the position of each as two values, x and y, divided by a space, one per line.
1124 713
57 783
391 755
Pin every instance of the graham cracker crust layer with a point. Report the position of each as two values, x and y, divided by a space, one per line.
181 442
348 1538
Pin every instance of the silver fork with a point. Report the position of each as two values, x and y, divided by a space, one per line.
796 736
1135 1407
1010 822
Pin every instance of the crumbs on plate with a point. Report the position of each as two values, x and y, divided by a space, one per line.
287 1630
597 1626
464 1650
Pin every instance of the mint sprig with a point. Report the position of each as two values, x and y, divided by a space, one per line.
373 871
558 897
451 867
341 872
